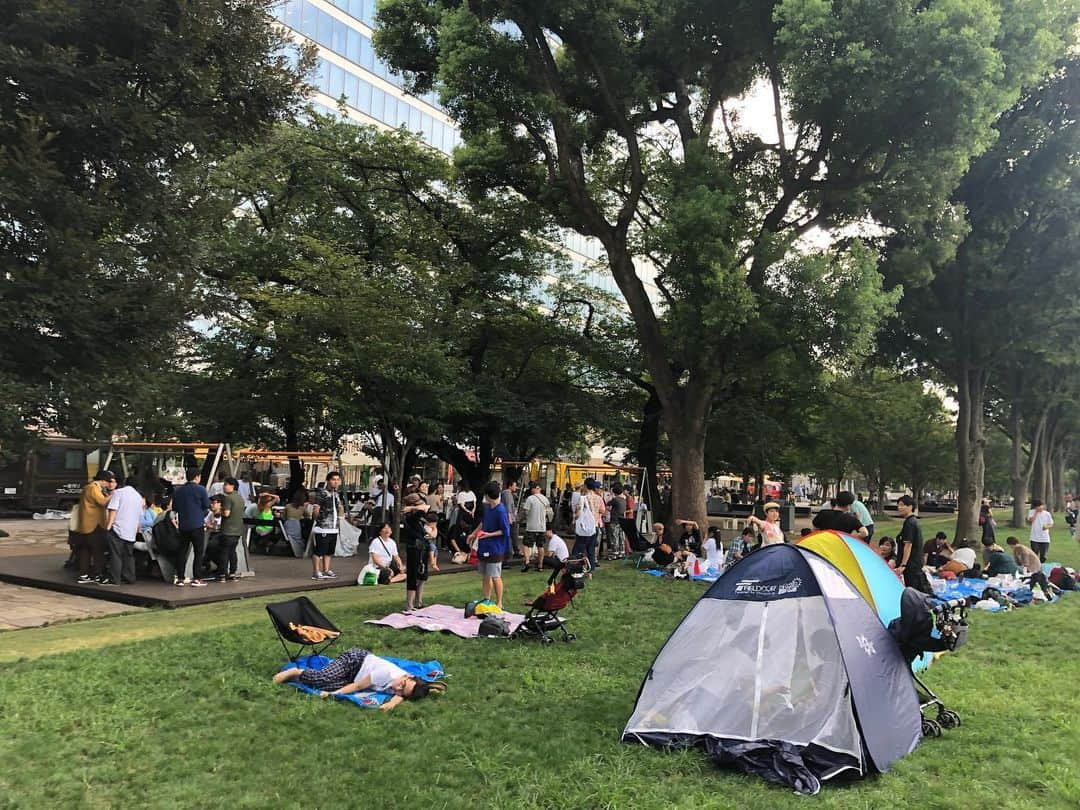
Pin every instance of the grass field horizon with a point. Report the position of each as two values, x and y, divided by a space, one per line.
176 708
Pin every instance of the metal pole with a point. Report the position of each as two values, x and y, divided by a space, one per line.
214 466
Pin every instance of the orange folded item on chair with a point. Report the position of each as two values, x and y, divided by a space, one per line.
313 635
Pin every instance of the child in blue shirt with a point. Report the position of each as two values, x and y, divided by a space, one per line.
492 542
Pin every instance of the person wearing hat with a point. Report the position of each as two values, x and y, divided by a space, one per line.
89 534
771 533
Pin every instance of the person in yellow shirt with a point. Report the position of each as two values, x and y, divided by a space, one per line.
89 533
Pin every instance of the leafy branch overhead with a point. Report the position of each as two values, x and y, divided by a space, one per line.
361 290
629 121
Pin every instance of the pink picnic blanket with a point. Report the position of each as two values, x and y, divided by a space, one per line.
445 618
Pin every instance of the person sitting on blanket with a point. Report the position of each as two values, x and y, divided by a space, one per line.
383 554
674 556
962 563
663 553
1024 556
997 561
938 551
739 548
358 670
713 551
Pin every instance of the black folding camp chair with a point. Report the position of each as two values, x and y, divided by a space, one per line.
300 611
639 546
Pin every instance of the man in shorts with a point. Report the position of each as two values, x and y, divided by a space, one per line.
536 512
328 511
492 539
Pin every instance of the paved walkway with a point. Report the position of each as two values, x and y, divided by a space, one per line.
33 607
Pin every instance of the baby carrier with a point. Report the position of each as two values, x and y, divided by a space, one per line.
930 625
563 585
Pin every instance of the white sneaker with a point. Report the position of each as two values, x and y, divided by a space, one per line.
318 575
330 575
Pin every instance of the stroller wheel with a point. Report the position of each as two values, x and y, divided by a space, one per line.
547 640
930 728
948 719
571 637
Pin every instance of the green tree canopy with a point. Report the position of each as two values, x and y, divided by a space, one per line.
998 317
109 112
622 119
363 292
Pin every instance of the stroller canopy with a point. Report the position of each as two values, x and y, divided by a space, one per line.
782 669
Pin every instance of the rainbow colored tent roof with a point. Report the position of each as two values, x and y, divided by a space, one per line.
870 575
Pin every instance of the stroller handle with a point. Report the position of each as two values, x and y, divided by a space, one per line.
952 603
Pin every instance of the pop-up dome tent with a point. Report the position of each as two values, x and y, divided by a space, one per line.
784 670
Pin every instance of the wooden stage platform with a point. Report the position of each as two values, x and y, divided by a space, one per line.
273 574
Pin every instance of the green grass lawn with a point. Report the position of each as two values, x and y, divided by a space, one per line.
176 709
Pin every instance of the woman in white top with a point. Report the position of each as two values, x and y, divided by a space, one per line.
771 533
358 670
714 551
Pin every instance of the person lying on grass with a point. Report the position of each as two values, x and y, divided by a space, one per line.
358 670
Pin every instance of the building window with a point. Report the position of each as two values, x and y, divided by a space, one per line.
339 37
352 85
324 27
337 82
352 45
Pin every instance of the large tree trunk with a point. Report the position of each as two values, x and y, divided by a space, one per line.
970 443
648 447
1021 473
1038 483
1058 467
1051 482
685 423
292 442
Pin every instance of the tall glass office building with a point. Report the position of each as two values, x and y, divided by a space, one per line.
348 68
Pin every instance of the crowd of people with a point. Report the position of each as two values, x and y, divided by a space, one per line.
193 536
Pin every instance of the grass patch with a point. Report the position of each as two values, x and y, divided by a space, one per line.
176 708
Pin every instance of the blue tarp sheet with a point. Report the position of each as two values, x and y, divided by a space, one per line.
710 575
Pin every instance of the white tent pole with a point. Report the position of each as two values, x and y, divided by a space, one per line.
214 466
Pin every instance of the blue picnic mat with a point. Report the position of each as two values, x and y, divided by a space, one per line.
430 671
711 575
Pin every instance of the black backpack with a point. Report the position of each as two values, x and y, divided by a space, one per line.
493 625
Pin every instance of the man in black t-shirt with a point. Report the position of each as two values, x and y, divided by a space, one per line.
909 547
840 517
